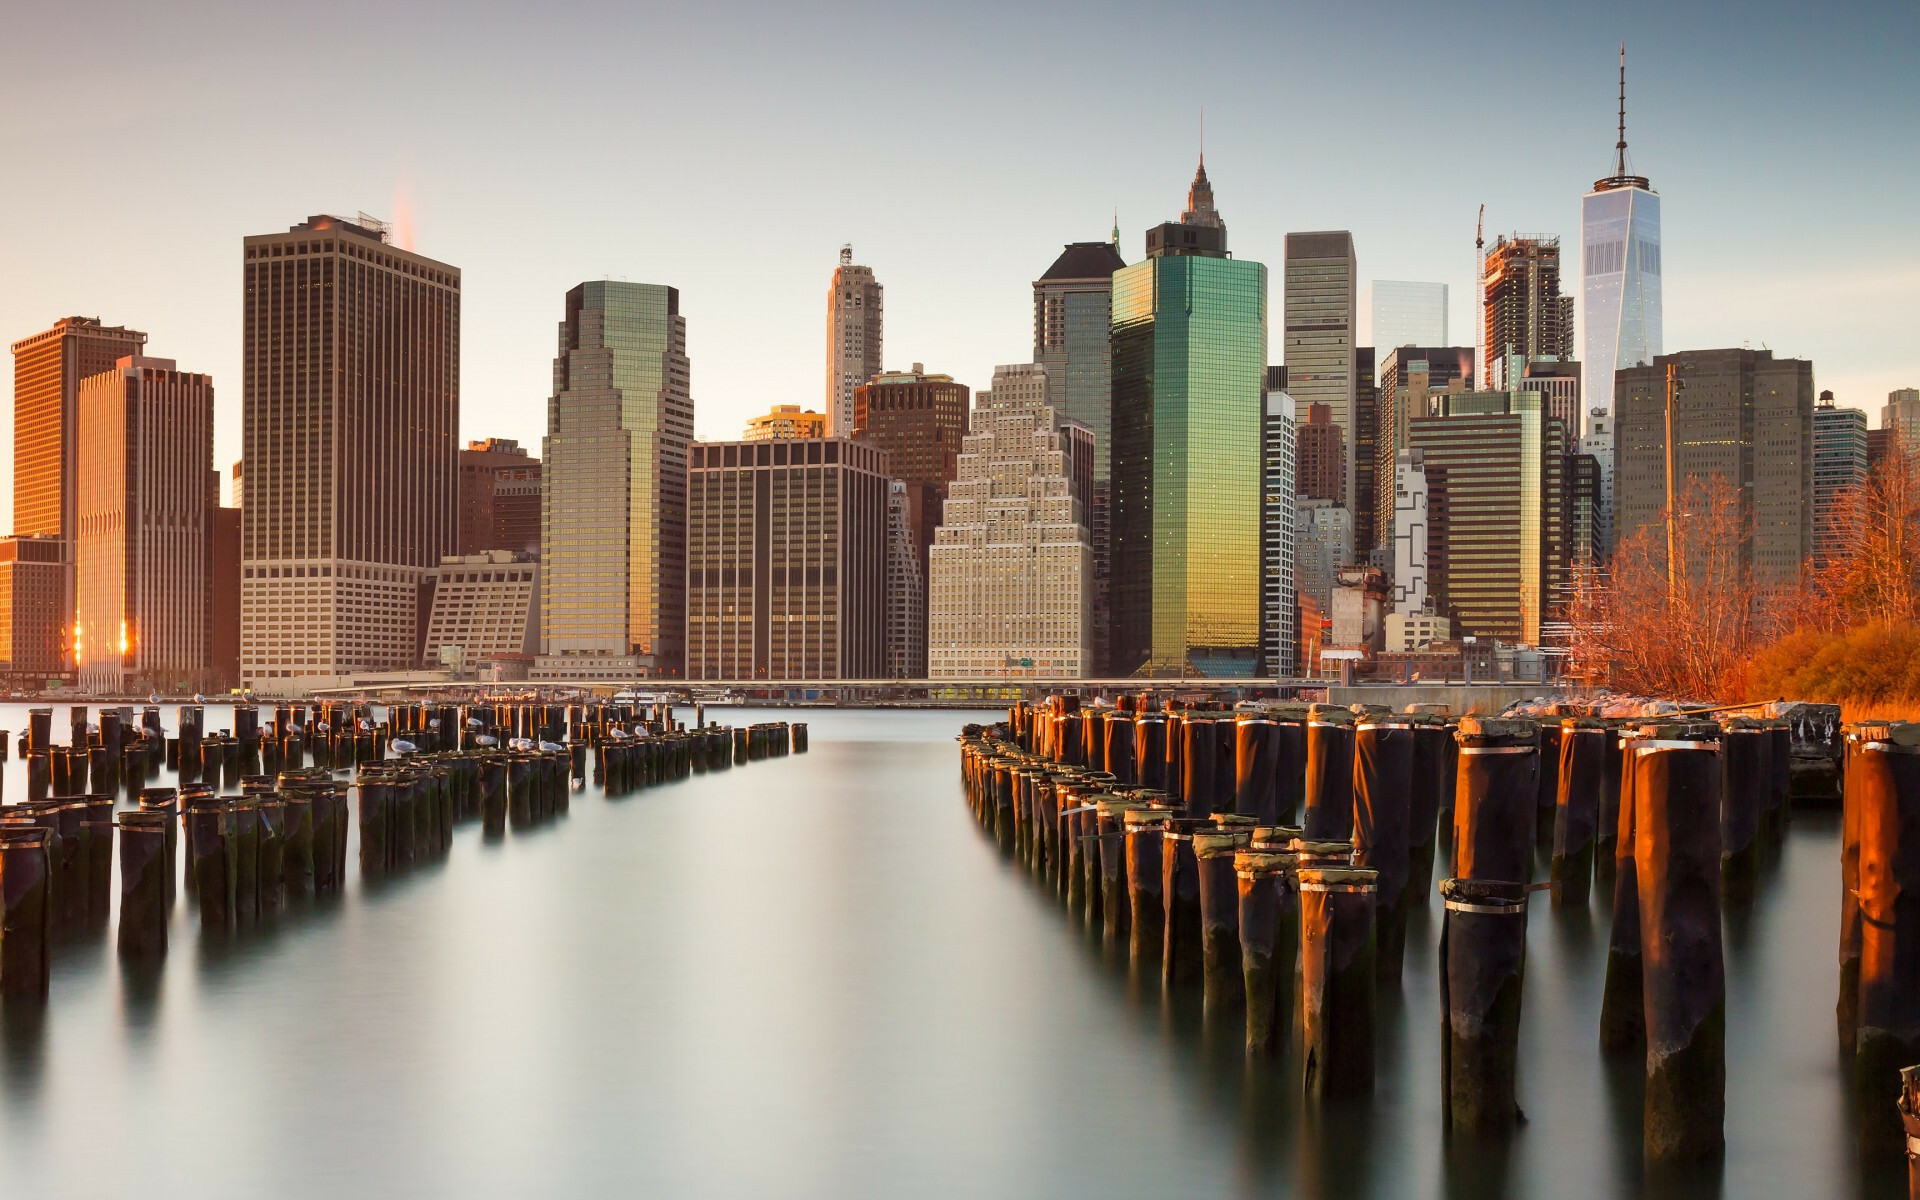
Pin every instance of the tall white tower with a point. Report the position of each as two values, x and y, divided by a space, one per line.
853 339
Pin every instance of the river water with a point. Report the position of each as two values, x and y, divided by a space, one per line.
814 976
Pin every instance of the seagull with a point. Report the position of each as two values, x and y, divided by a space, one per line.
434 723
520 744
475 723
484 740
403 746
617 734
552 748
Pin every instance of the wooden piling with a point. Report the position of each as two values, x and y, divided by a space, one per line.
1269 917
1337 980
145 885
1886 760
26 914
1483 942
1145 831
1328 815
1583 751
1221 970
1382 815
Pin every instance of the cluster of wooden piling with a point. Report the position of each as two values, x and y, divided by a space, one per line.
240 858
1175 831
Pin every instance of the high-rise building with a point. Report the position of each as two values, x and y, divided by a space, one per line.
1522 310
1072 319
1369 482
1620 259
1409 593
486 607
1323 544
1321 460
1408 314
918 419
33 608
499 498
234 494
1901 418
1839 463
1557 379
786 560
1585 523
906 600
1010 584
1407 378
1279 596
613 546
1189 369
1742 415
1496 511
143 548
351 411
1319 308
224 637
785 421
854 327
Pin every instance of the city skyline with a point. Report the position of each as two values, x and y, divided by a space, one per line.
1743 265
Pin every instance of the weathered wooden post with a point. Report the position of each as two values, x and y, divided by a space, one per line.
1780 768
1623 1022
1613 782
1337 980
1116 733
1256 782
1269 945
1180 960
1329 776
1495 801
26 914
1886 760
1547 776
145 885
1910 1120
1145 830
1199 763
166 803
1425 808
209 866
1382 797
1676 799
1221 971
1150 750
1116 908
1584 743
1746 763
1483 942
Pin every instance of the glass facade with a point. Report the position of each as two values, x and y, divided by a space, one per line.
615 457
1620 267
1189 370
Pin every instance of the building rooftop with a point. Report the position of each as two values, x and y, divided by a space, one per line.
1085 260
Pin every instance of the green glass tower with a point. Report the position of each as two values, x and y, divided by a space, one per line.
1189 343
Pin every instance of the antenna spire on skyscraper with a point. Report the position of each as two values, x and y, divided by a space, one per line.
1620 147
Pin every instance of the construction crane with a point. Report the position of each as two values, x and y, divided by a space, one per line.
1479 275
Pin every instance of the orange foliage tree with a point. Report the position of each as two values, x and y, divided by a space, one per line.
1871 575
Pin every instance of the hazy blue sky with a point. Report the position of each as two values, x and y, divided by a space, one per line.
729 149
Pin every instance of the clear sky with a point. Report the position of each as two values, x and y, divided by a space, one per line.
729 149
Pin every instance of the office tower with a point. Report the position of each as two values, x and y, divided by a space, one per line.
906 615
786 560
1522 310
33 624
499 498
233 495
1557 379
1410 532
853 339
1010 579
1279 595
1072 318
1189 369
785 421
1408 314
1743 415
1322 455
1879 443
1319 329
918 419
1496 511
1407 378
223 644
1839 463
1584 519
486 607
143 509
351 410
1620 256
1323 544
1901 417
613 545
1367 494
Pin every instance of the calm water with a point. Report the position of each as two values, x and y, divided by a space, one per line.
813 976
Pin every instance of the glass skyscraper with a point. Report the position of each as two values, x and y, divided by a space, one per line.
1620 266
1189 371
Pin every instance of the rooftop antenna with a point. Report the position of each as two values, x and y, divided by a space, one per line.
1620 147
846 255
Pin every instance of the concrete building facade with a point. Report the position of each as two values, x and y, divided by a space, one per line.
786 560
785 421
1010 581
499 498
350 415
486 606
855 325
1839 463
33 626
1279 593
1318 313
1409 375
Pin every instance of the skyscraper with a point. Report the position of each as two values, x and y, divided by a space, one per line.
33 620
1620 259
613 546
1496 511
350 415
1839 463
143 551
1368 481
1010 584
1408 314
499 498
1744 416
785 421
906 599
918 419
1279 598
1072 316
1319 328
1522 310
1901 418
1410 532
854 328
1408 377
1189 368
1320 463
786 559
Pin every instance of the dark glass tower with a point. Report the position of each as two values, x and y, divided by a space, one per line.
1189 344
